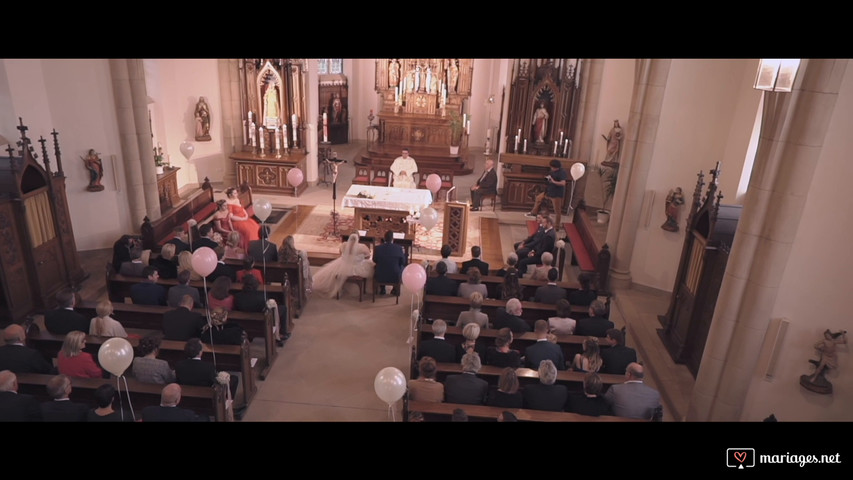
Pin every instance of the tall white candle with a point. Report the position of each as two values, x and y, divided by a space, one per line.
284 135
262 133
245 141
555 147
516 144
561 136
525 145
277 140
566 147
468 128
293 120
519 133
253 134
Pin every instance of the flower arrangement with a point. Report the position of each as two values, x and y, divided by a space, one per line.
159 158
363 194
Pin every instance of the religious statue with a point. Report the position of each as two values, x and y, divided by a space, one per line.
540 123
828 359
202 120
614 143
422 84
453 73
272 107
674 201
96 170
412 80
393 73
417 79
337 109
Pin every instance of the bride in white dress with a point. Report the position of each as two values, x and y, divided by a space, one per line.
354 260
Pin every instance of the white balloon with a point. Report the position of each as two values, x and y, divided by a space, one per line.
115 355
578 170
263 208
390 385
429 217
187 149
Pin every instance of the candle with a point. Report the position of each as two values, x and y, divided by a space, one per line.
464 118
468 129
252 134
561 136
516 144
245 141
566 147
488 133
555 147
519 133
263 134
284 135
294 120
250 117
277 140
525 145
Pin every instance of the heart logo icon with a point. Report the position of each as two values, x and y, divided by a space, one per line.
740 456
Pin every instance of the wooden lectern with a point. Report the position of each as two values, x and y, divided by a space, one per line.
455 227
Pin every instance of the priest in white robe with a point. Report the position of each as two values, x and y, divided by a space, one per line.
404 169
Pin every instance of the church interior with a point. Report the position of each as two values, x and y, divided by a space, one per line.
702 191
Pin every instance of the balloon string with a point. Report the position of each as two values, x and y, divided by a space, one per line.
209 322
127 393
391 412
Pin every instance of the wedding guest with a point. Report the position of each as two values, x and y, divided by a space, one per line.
220 331
63 318
510 288
446 251
73 361
590 401
540 273
562 323
474 314
177 292
104 325
61 408
584 295
546 395
590 359
220 295
249 269
135 267
185 262
205 239
148 292
472 285
470 333
262 250
441 284
15 406
104 412
222 219
506 393
501 354
511 261
147 367
166 263
426 388
288 253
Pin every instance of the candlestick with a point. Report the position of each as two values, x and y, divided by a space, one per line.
245 141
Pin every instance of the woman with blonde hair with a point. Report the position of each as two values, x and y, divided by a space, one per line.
470 333
185 262
165 262
590 359
73 361
233 248
288 253
104 325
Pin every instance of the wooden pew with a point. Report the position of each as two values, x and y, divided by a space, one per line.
208 401
528 286
228 357
587 253
150 317
281 272
198 206
526 376
442 412
448 308
570 344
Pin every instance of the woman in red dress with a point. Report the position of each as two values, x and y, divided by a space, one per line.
240 219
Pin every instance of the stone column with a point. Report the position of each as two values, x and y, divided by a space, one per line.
137 149
793 129
649 85
312 107
590 85
232 118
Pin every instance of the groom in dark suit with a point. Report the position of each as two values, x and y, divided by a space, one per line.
390 260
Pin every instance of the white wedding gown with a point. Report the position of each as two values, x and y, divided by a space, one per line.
354 260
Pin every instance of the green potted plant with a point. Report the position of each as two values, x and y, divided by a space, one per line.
455 132
159 159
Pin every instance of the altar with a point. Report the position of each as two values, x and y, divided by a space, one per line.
379 209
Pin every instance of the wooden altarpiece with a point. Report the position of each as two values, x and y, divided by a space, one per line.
708 239
38 254
417 97
273 118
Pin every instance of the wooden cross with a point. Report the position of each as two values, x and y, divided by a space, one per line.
22 128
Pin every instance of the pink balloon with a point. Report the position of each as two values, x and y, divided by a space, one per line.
433 183
204 261
414 277
295 177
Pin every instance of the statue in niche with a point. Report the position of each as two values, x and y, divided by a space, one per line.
337 109
202 120
393 73
96 170
418 82
828 358
674 201
453 73
272 105
540 123
614 143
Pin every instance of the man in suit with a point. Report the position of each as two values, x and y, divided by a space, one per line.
546 395
550 292
168 410
177 292
390 260
206 237
523 247
14 406
441 284
262 250
222 269
438 348
543 349
182 323
134 267
180 238
192 370
510 317
19 358
617 356
64 319
545 244
584 295
61 408
633 399
467 387
487 184
476 262
148 292
595 325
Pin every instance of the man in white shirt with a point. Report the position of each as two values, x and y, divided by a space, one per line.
404 169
